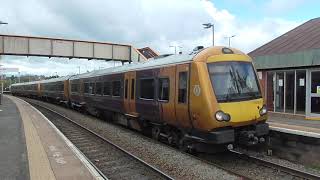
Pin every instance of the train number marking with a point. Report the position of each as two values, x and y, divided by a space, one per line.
196 90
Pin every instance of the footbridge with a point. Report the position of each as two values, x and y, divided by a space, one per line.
66 48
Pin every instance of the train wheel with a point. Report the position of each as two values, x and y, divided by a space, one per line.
173 138
155 132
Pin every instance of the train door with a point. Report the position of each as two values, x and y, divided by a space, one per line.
166 94
129 93
182 98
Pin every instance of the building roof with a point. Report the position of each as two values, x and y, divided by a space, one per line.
303 37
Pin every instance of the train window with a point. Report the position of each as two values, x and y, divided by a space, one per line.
164 89
74 87
126 89
116 86
147 88
61 87
86 87
106 89
182 93
99 88
91 88
132 88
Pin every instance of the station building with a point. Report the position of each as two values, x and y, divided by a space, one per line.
289 70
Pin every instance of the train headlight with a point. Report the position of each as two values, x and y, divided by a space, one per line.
221 116
263 110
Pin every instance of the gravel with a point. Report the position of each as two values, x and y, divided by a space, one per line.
263 155
171 161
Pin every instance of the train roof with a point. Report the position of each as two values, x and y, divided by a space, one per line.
63 78
152 63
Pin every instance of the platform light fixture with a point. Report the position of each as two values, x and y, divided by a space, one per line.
175 48
208 26
1 22
229 39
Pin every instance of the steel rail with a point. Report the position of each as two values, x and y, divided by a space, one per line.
164 175
269 164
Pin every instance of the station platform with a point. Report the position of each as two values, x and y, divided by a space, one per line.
32 148
294 124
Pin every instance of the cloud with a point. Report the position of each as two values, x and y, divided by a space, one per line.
154 23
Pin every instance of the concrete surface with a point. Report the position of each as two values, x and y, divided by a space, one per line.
13 151
48 154
294 125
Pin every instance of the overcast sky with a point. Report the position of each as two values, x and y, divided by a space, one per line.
154 23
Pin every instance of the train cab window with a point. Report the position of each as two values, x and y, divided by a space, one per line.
99 88
132 88
116 86
164 89
182 93
106 89
86 88
91 88
147 88
126 89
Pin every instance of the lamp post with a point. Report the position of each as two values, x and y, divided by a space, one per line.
229 39
1 23
175 48
207 26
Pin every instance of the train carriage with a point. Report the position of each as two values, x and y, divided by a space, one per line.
55 90
191 100
29 89
203 101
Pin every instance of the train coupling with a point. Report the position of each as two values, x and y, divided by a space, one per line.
248 138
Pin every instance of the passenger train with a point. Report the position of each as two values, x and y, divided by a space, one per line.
203 101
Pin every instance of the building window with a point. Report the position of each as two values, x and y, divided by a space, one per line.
164 89
86 87
182 93
147 88
116 86
75 88
99 88
126 89
132 88
106 89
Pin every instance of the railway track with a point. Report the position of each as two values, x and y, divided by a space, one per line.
293 172
244 157
111 161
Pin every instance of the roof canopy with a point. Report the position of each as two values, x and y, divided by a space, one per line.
297 48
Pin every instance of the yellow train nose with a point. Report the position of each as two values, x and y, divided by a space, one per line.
242 112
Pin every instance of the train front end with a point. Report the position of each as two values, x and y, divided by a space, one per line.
233 109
